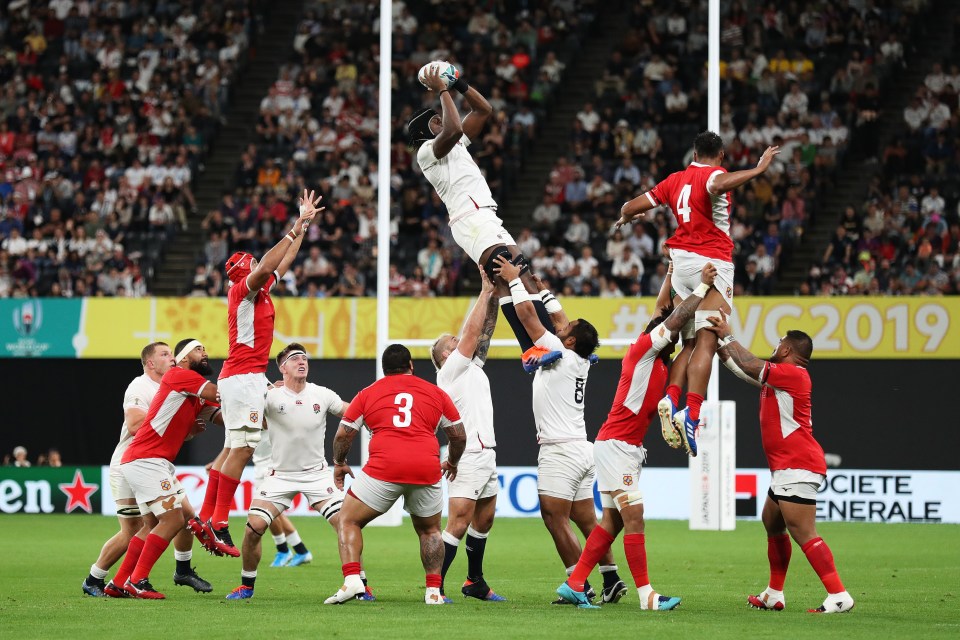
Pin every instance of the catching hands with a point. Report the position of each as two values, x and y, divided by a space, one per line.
449 471
432 79
340 472
767 158
506 269
537 281
308 210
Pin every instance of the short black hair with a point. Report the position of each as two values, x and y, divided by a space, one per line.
708 145
148 350
293 346
800 342
182 344
396 359
586 336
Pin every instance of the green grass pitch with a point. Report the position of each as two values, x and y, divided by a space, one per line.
905 578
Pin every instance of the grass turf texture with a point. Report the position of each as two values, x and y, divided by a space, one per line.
905 578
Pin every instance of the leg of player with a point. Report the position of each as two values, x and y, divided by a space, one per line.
301 555
230 473
460 514
213 485
278 531
556 514
779 550
353 517
115 588
584 515
431 554
261 515
477 532
113 549
801 523
687 420
170 520
634 548
573 590
186 575
330 509
669 405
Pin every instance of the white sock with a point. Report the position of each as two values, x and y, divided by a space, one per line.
293 539
450 539
363 574
279 539
182 555
644 592
353 582
773 592
606 568
570 570
97 572
476 534
248 574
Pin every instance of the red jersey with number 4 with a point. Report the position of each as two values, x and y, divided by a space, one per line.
703 219
403 412
786 428
172 414
250 317
643 377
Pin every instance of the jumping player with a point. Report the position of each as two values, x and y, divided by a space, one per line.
795 459
699 201
620 454
403 412
473 493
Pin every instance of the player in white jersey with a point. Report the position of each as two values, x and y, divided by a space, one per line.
473 493
296 416
285 535
565 466
156 358
441 142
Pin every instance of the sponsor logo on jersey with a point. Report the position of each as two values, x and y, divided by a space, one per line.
316 408
254 417
165 485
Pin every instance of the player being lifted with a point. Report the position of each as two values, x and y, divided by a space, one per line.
795 459
156 359
243 381
620 454
473 493
403 412
441 141
698 197
565 466
296 419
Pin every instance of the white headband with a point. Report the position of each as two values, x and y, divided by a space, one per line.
291 354
190 346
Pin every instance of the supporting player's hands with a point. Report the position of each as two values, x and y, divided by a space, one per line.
449 470
433 80
506 269
708 274
340 472
767 158
486 286
198 427
626 216
540 285
719 326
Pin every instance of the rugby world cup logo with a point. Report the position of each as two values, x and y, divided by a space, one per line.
28 318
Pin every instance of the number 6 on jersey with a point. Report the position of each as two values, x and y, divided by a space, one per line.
404 402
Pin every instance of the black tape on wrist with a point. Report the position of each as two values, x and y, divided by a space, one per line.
461 86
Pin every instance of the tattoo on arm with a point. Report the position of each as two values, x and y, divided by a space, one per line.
486 333
748 363
457 437
682 314
341 444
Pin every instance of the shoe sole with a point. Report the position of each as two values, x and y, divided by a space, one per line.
681 432
666 425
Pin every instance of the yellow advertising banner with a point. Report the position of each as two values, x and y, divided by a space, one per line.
843 328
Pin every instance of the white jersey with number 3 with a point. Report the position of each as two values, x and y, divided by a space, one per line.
297 423
558 395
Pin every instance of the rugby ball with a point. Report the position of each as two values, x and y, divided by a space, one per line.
448 72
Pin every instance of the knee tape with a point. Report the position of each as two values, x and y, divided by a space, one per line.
700 320
166 503
628 499
331 508
689 330
607 502
261 513
128 511
490 264
521 261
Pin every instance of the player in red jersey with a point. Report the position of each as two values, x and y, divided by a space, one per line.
403 413
619 453
242 381
698 197
795 459
176 414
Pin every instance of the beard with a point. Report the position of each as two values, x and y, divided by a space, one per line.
202 367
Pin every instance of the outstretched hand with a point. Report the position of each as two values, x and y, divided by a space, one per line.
719 326
486 286
767 158
625 216
506 269
308 210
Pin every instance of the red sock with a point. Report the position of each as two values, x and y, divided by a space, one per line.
210 496
153 548
674 392
351 569
598 543
227 486
129 561
634 547
694 400
821 559
433 580
778 553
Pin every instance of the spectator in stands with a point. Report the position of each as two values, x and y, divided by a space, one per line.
20 457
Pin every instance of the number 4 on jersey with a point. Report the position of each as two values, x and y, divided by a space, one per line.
404 402
683 203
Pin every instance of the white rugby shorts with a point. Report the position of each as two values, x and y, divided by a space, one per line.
618 465
795 485
418 499
242 398
686 274
476 476
478 231
119 486
151 478
282 489
566 470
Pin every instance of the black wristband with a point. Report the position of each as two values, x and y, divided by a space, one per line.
442 92
461 86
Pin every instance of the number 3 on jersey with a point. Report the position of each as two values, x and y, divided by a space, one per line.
404 402
683 203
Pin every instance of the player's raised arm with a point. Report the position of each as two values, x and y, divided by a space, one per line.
735 357
685 312
451 129
478 328
635 208
480 109
728 181
281 255
557 315
526 312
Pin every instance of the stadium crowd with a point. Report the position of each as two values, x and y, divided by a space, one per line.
106 112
